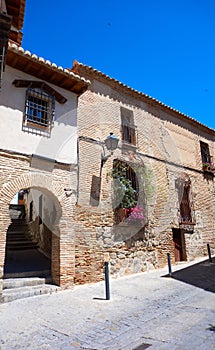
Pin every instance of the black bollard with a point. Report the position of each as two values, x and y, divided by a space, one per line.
107 284
209 252
169 264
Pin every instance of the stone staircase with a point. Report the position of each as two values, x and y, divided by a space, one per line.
18 237
27 272
18 288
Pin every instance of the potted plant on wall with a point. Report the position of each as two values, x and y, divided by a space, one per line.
208 167
135 216
125 197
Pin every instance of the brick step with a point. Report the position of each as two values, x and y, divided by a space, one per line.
27 291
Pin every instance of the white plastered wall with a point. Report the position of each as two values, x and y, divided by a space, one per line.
60 145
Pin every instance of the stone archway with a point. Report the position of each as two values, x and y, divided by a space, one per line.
62 256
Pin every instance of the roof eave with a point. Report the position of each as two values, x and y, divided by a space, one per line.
78 67
43 69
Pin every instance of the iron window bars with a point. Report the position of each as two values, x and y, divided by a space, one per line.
39 107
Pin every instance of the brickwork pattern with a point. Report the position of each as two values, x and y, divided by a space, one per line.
170 149
16 174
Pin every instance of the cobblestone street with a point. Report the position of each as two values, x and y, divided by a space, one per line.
148 310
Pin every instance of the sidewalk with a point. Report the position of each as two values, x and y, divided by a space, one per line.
146 310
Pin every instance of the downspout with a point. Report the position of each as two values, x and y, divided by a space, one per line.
78 172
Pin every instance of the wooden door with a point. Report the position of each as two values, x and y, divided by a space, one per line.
179 245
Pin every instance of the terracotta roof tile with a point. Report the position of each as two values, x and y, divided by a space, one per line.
146 98
26 53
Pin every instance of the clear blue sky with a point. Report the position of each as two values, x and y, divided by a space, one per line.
164 48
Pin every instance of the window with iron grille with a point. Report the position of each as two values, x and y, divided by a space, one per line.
128 128
126 189
185 207
39 108
183 185
205 153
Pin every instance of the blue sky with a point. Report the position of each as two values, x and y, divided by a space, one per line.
163 48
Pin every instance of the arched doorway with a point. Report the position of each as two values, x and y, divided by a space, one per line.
63 235
34 214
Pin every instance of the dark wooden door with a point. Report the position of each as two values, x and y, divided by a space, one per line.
179 245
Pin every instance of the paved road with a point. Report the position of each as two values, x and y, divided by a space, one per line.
165 313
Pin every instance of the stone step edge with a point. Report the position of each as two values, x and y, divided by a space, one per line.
12 283
25 292
28 274
39 287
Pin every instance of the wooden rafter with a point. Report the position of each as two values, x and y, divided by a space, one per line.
40 85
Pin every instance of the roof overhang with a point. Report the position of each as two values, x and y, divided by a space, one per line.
91 73
45 70
16 9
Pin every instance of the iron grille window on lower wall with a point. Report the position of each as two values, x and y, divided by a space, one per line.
39 107
185 207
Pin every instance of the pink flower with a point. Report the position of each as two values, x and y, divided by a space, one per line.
136 214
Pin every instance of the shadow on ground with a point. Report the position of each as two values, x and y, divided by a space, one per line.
201 275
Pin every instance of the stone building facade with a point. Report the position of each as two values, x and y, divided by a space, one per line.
38 150
152 195
171 156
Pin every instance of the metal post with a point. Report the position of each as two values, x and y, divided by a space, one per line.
209 252
107 284
169 264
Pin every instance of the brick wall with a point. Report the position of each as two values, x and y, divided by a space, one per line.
16 174
169 147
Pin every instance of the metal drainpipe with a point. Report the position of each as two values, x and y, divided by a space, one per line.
78 170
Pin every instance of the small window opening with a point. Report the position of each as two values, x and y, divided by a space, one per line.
128 128
39 107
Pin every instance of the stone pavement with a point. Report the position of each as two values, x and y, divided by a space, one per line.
146 310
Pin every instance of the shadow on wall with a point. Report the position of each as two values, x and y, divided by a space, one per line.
200 275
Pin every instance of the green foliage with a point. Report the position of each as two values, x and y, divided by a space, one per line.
123 187
124 195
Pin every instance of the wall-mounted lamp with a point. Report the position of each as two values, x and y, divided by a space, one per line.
69 191
111 143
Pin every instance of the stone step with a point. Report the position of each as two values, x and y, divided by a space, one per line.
27 291
17 228
42 274
20 241
21 245
17 231
11 283
18 234
27 247
18 222
17 238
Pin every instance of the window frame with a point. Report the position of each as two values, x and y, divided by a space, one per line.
121 212
39 108
185 208
205 152
185 205
128 129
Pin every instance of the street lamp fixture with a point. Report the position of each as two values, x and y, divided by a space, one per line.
111 143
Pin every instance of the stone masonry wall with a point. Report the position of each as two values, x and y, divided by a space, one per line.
169 147
16 174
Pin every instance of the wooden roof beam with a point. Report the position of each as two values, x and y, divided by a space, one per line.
40 85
